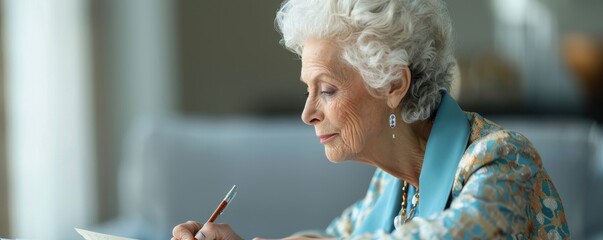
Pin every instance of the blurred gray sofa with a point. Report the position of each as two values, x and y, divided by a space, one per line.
179 169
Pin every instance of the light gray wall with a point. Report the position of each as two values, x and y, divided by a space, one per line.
134 78
472 25
4 209
581 16
231 61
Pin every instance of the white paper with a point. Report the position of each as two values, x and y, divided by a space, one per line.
89 235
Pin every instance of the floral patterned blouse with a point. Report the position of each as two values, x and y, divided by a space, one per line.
500 190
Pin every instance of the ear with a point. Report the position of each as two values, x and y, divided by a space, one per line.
398 89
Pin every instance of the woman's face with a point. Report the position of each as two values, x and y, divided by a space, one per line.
348 120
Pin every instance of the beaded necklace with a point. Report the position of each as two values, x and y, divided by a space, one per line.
402 218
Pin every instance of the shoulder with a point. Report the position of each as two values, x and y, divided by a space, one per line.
508 163
504 150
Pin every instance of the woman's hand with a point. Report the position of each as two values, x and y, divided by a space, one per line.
186 231
207 231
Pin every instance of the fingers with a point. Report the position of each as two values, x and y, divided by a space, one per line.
186 231
217 231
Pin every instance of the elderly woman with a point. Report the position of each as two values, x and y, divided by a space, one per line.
378 74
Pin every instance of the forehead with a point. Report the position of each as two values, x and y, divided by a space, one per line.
320 49
320 56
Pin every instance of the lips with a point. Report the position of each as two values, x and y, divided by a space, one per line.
326 138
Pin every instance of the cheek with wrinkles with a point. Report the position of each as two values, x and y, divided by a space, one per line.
352 131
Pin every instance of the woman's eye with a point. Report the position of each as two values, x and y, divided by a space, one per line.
327 92
307 94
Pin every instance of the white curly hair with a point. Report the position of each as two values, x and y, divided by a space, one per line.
378 38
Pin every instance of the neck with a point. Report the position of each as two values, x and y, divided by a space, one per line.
402 157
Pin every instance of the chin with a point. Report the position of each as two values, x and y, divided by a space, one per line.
335 156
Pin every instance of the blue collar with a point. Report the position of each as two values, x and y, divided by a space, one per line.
445 148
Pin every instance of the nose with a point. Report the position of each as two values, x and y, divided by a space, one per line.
312 114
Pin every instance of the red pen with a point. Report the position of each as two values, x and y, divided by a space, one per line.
231 194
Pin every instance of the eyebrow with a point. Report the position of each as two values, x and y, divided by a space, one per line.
320 75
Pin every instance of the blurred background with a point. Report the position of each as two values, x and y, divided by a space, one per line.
82 82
